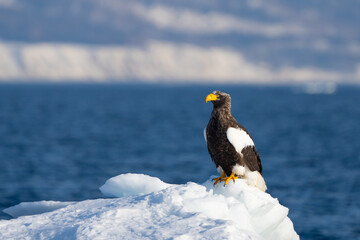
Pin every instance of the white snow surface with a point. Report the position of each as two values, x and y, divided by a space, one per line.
32 208
185 211
132 184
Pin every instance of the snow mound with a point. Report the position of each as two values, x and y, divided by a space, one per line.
132 184
187 211
32 208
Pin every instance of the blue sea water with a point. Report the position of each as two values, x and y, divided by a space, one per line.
62 142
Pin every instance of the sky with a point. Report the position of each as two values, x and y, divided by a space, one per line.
253 41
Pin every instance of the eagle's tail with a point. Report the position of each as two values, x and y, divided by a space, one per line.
254 178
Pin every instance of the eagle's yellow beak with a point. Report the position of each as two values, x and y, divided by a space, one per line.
211 97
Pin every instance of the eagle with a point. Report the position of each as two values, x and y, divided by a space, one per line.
230 145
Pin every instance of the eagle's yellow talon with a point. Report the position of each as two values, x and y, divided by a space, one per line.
232 176
219 179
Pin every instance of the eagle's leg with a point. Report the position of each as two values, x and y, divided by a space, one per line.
232 176
222 177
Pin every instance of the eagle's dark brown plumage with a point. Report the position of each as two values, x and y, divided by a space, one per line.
230 144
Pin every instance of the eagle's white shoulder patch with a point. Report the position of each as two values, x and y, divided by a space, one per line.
239 138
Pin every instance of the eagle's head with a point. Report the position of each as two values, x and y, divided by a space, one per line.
219 99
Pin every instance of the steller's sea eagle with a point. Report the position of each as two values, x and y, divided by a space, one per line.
230 145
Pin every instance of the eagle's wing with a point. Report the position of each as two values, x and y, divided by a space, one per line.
245 146
252 159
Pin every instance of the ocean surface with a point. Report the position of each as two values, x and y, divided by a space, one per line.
62 142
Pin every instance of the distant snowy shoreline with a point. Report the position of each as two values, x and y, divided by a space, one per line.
156 61
147 208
